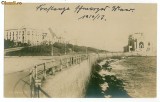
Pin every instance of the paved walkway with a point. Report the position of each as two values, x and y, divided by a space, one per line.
70 83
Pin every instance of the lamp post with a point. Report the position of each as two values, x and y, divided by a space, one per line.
73 48
51 48
86 50
65 48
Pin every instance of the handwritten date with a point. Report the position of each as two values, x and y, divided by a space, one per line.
93 17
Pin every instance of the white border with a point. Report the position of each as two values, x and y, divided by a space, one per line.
1 50
77 99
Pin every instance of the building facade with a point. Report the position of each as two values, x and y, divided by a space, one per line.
33 37
25 35
138 44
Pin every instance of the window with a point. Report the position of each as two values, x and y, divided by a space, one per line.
141 45
28 32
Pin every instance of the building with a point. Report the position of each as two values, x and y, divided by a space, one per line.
52 37
25 35
60 40
33 37
138 44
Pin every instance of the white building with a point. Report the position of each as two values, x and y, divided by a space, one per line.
52 37
25 35
32 36
138 44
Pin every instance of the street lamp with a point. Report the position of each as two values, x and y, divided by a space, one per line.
51 49
86 50
65 47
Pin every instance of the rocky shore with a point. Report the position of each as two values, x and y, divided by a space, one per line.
104 83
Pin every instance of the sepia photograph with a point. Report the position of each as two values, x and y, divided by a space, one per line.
80 50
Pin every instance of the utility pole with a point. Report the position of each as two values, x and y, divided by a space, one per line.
98 54
51 48
73 49
65 48
87 53
86 50
53 35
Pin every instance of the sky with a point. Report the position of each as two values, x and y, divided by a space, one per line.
110 34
